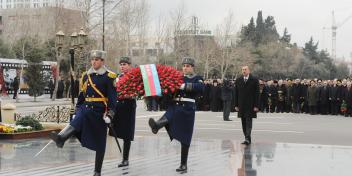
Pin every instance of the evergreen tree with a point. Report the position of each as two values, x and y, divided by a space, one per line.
310 51
270 34
286 38
33 72
248 32
259 29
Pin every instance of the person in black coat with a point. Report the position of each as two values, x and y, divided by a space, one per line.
341 89
52 87
125 118
348 99
296 96
333 98
206 95
263 96
288 96
246 101
60 89
15 84
323 98
304 100
281 96
226 97
215 99
272 95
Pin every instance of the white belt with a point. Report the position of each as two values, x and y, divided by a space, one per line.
185 99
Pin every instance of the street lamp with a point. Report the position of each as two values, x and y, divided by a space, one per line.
74 39
77 42
60 36
82 38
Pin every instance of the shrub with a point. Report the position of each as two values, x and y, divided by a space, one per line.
30 121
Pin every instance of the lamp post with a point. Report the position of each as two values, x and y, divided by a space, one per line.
76 45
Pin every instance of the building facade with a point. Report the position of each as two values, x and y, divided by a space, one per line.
42 23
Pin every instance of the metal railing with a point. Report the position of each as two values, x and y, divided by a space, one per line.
58 114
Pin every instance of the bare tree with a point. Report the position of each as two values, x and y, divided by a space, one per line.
224 35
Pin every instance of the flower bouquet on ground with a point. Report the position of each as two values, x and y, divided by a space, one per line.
343 106
131 85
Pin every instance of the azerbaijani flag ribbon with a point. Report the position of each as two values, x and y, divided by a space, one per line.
150 80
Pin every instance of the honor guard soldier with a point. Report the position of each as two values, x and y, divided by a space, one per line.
179 116
125 117
95 107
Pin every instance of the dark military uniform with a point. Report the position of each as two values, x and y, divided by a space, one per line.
180 115
124 120
88 122
96 103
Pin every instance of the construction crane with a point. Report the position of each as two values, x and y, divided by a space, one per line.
334 27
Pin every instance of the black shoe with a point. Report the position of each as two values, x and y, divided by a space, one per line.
97 174
156 125
124 163
227 120
60 138
246 142
153 125
182 168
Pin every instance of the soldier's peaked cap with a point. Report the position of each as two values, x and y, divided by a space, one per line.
97 54
188 60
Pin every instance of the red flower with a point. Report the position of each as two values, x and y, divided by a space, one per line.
131 84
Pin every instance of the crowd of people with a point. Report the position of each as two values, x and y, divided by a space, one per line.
311 96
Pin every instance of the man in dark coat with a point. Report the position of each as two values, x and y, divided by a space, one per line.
125 118
296 96
226 97
281 96
263 96
334 106
246 101
323 98
51 87
15 85
288 96
206 95
304 100
215 98
94 110
60 89
272 94
312 97
180 114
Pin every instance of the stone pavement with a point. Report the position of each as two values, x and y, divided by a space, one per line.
155 156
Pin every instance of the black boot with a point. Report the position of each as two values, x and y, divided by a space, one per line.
126 152
99 158
156 125
184 155
60 138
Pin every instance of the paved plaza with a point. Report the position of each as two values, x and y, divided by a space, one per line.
283 144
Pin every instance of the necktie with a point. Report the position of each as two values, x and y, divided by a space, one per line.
245 80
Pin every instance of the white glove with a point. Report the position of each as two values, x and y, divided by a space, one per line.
73 117
182 87
107 120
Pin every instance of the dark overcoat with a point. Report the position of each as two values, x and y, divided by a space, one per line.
247 97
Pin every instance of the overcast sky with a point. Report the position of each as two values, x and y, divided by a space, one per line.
303 18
